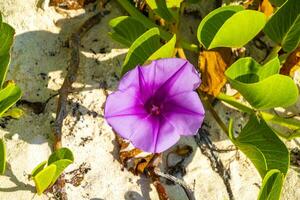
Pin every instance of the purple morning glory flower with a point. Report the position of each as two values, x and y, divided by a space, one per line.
155 104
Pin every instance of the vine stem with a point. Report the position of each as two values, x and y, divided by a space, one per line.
65 90
211 109
273 53
269 117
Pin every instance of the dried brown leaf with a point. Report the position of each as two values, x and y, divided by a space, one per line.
292 63
133 159
212 65
266 7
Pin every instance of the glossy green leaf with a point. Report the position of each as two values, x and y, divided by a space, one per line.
44 178
284 25
61 165
166 51
262 86
6 40
62 153
38 168
277 2
141 49
230 26
47 172
126 29
262 146
4 61
9 96
167 10
61 158
147 46
271 185
2 156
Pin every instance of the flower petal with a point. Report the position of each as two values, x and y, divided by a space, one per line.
185 112
122 110
170 76
154 135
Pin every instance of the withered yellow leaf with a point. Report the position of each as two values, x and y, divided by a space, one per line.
266 7
212 65
292 63
133 159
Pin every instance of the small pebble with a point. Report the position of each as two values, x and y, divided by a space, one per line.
15 136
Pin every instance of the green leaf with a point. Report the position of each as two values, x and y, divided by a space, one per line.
262 146
141 49
166 51
262 86
15 113
62 153
38 168
2 156
9 96
277 2
230 26
126 29
145 47
271 185
44 178
167 10
4 61
61 165
6 40
61 158
284 26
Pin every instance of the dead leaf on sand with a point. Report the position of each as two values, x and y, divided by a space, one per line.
292 63
266 7
133 159
212 65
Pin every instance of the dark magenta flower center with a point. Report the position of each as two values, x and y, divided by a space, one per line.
153 107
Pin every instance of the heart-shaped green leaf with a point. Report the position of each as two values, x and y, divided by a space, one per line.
145 47
62 153
262 86
126 29
2 156
230 26
9 96
44 178
165 51
262 146
284 25
38 168
167 10
61 165
271 185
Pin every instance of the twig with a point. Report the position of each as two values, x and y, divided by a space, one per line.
66 88
186 188
161 191
207 148
211 109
